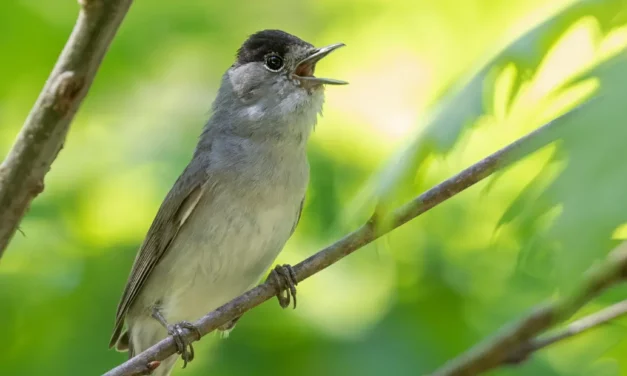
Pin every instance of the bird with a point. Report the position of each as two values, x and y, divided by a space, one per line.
236 203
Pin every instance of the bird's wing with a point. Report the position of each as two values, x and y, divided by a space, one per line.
174 211
300 211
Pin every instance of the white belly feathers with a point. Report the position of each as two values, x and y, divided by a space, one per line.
223 249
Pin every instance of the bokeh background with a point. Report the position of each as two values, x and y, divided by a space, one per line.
435 86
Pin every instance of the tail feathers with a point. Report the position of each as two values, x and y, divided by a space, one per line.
145 334
116 335
123 343
226 329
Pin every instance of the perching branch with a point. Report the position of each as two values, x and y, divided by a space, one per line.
577 327
367 233
517 341
43 134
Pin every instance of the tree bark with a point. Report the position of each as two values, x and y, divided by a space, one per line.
43 133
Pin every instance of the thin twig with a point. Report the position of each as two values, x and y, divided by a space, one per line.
43 134
497 351
577 327
345 246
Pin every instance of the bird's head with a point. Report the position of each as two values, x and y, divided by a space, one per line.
272 82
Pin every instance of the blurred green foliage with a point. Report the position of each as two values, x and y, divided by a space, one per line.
435 86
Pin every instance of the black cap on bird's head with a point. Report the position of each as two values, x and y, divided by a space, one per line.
283 52
258 45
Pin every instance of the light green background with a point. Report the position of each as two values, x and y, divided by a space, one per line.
399 307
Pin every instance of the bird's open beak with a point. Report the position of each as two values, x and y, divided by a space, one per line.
305 68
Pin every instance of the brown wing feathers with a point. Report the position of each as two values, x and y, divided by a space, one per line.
176 208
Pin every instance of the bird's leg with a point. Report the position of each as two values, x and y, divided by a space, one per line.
176 331
284 280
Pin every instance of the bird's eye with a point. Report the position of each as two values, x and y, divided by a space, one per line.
274 62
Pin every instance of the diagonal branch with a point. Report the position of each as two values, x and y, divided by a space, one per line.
515 342
582 325
367 233
43 134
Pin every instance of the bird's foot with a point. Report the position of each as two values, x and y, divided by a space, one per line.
183 347
284 280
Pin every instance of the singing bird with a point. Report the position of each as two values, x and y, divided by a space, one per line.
237 202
